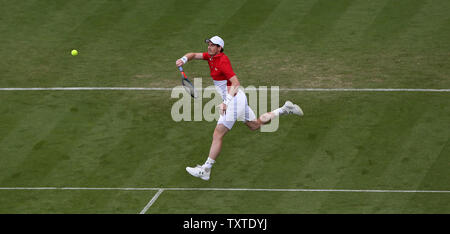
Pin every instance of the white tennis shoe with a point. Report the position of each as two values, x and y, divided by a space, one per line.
199 171
292 108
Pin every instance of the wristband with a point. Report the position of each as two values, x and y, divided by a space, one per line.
184 59
228 99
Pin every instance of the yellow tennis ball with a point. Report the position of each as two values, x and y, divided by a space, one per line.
74 52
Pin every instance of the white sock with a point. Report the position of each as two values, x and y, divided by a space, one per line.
279 111
209 163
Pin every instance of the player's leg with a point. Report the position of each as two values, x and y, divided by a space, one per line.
216 144
224 125
204 171
263 119
287 108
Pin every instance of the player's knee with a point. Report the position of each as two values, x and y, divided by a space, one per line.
218 134
254 125
254 128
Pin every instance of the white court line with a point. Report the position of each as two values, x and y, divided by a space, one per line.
233 189
83 88
150 203
281 89
362 90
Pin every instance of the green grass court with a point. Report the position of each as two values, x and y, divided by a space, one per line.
353 140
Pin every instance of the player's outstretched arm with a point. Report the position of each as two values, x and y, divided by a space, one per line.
187 57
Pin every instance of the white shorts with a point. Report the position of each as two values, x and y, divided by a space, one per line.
237 109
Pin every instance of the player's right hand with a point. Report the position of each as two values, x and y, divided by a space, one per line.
179 63
222 108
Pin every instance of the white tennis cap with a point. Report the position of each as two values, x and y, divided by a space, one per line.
216 40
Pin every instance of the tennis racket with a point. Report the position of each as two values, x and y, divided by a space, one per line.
187 84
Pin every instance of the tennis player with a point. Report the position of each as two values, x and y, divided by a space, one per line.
234 106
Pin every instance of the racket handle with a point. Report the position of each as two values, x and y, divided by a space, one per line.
183 75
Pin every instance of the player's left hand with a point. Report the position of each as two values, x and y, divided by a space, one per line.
222 108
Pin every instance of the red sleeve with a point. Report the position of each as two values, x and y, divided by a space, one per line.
206 56
226 68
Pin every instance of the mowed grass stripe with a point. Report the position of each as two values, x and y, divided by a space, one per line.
10 108
226 202
94 35
429 25
389 143
432 178
400 55
14 10
177 21
142 150
328 161
179 201
246 132
163 63
100 134
387 137
392 20
336 158
438 169
33 124
152 45
96 38
375 164
257 66
38 52
348 30
141 141
321 144
283 156
156 152
308 62
159 45
164 164
57 49
280 22
238 159
87 202
343 57
415 160
120 53
320 20
384 134
133 116
235 22
64 142
108 155
22 25
247 19
307 135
